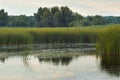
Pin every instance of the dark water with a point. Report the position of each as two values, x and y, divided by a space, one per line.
58 64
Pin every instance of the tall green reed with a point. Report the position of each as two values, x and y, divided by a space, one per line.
109 40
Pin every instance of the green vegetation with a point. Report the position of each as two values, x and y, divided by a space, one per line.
48 35
109 40
22 20
64 35
12 38
55 17
3 17
108 62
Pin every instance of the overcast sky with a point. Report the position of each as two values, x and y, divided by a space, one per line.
84 7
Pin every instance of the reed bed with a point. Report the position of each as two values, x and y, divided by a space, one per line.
47 35
64 35
13 38
109 40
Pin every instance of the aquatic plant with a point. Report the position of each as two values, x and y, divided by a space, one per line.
47 35
109 40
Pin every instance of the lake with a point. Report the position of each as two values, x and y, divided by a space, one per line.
61 62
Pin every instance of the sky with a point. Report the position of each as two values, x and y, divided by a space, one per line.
83 7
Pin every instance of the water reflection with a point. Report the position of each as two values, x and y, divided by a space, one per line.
24 55
2 60
64 61
110 63
26 61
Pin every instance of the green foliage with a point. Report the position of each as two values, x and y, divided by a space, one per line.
67 16
47 35
21 21
108 41
3 17
98 20
107 38
55 17
85 22
77 20
64 35
13 37
112 20
89 21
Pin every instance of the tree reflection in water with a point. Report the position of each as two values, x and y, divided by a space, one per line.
24 56
110 63
2 60
57 60
26 63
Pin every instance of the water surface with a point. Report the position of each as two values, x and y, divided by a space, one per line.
58 64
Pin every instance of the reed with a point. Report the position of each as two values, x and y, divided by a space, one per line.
64 35
109 40
48 35
12 37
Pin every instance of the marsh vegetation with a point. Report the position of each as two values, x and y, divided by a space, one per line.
105 38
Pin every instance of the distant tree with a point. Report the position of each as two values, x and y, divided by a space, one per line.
31 20
90 19
38 16
77 20
118 20
3 17
98 20
55 16
112 20
46 17
12 21
57 19
85 22
66 16
43 17
21 21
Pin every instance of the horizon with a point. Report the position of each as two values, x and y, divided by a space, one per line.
83 7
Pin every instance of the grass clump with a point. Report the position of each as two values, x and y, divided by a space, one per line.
109 40
64 35
48 35
15 38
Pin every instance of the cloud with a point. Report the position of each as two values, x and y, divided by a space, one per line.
112 8
84 7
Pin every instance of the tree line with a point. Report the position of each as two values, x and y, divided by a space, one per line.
55 17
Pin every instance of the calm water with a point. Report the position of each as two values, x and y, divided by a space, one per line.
58 64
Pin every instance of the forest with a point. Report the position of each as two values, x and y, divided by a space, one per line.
55 17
